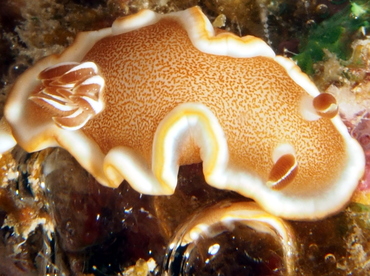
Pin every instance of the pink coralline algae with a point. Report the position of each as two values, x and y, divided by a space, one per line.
362 133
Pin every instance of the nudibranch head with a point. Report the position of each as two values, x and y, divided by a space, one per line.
153 92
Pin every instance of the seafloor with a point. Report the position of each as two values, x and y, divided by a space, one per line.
64 223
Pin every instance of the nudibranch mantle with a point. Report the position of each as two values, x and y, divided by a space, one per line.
153 92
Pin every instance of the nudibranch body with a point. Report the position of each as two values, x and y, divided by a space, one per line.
153 92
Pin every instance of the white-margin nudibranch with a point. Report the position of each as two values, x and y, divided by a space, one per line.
153 92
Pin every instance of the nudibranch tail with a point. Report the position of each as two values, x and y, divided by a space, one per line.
6 137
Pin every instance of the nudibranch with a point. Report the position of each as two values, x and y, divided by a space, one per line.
153 92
